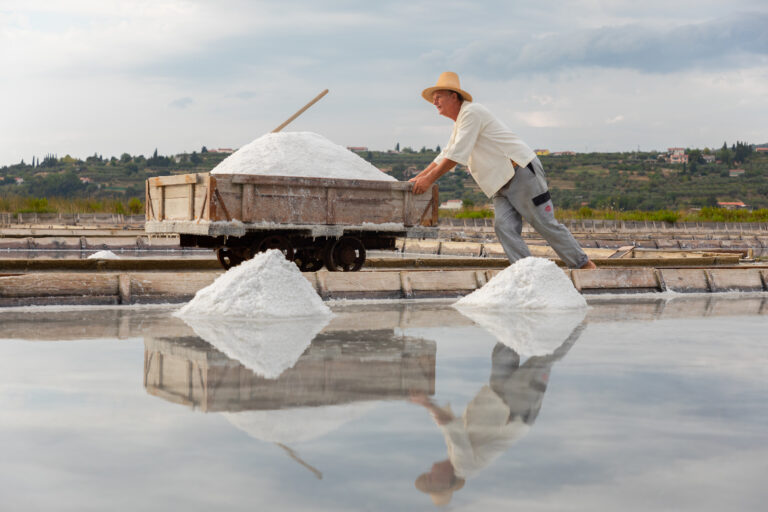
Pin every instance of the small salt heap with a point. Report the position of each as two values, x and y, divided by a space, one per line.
262 313
103 255
529 283
266 287
303 154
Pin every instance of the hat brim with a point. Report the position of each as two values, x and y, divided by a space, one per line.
429 91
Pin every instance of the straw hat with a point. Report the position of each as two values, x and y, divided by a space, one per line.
448 81
440 495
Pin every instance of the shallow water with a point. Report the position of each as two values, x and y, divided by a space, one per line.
640 404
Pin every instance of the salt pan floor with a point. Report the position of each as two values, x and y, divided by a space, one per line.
644 404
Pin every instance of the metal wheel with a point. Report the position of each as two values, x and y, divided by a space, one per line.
347 254
308 259
278 242
228 258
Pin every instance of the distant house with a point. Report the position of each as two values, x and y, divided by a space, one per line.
677 156
732 205
761 150
542 152
222 150
735 173
86 180
710 159
357 148
563 153
452 204
19 181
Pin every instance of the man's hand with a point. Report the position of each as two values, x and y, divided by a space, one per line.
421 184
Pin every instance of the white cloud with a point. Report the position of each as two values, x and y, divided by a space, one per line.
541 119
86 76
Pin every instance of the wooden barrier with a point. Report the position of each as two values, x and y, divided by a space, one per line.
153 287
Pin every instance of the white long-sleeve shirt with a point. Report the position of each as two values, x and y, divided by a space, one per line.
481 434
486 146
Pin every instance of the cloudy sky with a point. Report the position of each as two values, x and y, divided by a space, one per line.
112 76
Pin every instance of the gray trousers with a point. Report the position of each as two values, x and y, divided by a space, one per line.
525 196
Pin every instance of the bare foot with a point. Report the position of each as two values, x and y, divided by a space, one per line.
588 265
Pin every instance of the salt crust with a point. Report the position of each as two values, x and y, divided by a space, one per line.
305 154
103 255
528 284
265 287
529 333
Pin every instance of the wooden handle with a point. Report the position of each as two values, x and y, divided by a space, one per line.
301 111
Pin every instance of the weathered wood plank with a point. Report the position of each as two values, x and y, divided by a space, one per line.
745 280
362 281
685 280
58 285
443 280
461 248
615 279
178 179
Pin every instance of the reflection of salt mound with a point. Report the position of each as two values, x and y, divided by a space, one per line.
267 349
104 255
298 154
298 424
529 283
529 333
267 286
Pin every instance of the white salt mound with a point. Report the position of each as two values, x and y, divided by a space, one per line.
303 154
265 348
103 255
529 283
265 287
529 333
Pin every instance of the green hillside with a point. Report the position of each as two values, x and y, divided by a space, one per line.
615 181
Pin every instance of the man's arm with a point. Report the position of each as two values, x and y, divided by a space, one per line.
431 174
440 415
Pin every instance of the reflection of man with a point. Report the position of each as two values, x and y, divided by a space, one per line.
500 413
505 168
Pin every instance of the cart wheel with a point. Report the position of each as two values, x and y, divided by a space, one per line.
308 260
228 258
278 242
347 254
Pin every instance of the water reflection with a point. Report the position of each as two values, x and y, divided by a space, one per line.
338 367
266 348
276 397
528 333
504 410
660 399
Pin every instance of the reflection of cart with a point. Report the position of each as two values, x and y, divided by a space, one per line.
313 221
338 368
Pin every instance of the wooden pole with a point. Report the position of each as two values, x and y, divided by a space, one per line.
301 111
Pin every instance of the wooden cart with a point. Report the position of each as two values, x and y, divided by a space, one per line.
313 221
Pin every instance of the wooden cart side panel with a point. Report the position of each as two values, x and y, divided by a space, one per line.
291 204
180 197
374 206
286 200
154 202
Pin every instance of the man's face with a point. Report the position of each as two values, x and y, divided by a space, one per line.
447 103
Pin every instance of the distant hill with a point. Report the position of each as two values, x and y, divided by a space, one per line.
622 181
